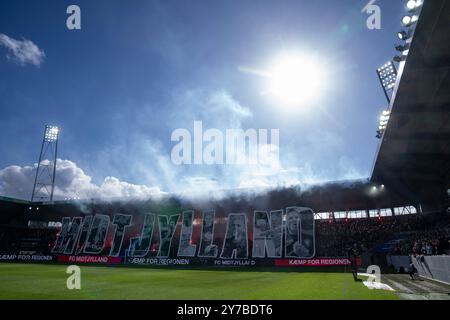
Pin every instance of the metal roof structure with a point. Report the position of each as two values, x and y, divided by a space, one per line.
414 155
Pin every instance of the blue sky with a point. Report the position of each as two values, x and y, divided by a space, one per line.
140 69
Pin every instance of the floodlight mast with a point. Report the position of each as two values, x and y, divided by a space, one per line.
387 75
44 182
54 170
384 89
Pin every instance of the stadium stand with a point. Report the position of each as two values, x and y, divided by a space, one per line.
30 229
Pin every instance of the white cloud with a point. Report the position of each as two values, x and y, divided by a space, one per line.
71 182
22 51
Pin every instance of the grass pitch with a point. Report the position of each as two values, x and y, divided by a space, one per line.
39 281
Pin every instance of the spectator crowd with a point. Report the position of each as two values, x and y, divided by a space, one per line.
428 243
426 234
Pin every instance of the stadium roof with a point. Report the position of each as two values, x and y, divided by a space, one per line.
327 197
14 200
414 154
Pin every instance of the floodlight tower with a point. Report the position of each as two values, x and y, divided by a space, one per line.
44 182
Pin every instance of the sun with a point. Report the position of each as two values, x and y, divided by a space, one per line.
295 80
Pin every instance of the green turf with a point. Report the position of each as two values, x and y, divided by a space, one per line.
38 281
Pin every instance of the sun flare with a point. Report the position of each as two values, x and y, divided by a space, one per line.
295 80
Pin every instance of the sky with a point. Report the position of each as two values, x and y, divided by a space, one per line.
138 70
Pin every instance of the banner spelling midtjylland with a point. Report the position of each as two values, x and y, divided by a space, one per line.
189 237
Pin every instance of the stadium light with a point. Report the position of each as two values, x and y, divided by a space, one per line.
387 74
413 5
403 48
51 133
400 58
409 20
384 119
404 35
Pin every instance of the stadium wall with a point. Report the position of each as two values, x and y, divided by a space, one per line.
399 262
433 267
